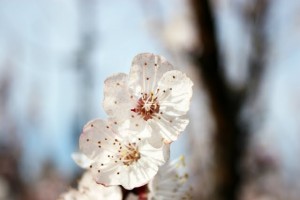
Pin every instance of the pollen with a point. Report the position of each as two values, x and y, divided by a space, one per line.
129 155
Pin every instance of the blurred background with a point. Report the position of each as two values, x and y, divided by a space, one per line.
243 140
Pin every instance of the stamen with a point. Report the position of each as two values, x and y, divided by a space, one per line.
147 106
129 154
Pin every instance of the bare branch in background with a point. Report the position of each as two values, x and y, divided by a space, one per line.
226 103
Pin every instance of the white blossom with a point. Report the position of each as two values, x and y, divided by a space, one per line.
81 160
72 194
170 183
88 189
120 156
153 94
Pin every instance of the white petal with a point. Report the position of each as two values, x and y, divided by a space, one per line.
117 100
118 103
168 128
107 173
113 155
100 143
135 126
141 172
145 72
88 189
138 124
97 139
81 160
95 191
175 93
170 182
71 195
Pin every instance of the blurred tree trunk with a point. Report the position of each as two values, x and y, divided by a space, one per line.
230 137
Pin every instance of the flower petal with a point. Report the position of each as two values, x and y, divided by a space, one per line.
135 175
97 139
170 182
95 191
168 128
175 93
117 97
81 160
71 195
141 172
145 72
88 189
121 157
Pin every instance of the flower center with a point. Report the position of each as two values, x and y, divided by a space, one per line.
130 154
147 106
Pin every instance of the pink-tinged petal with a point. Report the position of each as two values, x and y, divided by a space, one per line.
117 100
145 72
175 93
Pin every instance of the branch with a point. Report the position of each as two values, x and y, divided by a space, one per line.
225 105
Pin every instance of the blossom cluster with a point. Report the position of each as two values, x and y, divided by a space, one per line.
147 110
